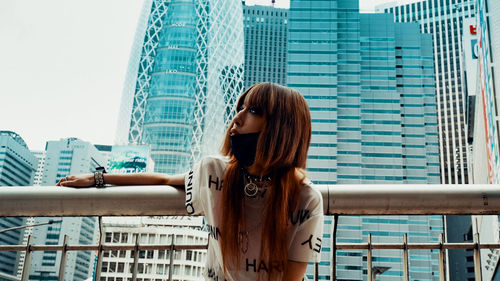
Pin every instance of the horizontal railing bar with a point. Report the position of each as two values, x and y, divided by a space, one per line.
340 246
20 248
397 199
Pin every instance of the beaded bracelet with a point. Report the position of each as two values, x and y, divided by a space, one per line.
99 177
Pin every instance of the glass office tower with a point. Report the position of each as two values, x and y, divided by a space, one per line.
266 39
370 87
444 20
185 73
17 168
64 157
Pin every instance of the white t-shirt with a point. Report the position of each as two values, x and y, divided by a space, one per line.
305 226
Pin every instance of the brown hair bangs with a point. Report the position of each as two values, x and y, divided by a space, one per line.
285 140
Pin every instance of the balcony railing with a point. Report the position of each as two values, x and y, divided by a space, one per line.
337 199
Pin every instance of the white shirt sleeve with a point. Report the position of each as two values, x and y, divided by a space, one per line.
194 196
305 245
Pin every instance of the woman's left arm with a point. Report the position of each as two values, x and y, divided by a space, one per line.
295 270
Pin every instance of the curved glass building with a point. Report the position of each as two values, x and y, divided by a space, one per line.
185 73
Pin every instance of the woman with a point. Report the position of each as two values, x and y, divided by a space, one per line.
266 221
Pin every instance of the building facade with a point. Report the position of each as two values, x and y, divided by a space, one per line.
485 138
370 87
444 20
188 265
17 168
266 39
183 80
62 158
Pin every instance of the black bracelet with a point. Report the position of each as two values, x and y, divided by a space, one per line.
99 177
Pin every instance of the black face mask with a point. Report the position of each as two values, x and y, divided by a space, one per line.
244 147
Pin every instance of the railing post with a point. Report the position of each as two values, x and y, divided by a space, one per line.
369 258
334 247
64 252
442 276
136 259
99 260
405 258
171 266
477 258
27 260
316 273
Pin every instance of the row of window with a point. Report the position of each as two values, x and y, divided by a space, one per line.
152 238
149 268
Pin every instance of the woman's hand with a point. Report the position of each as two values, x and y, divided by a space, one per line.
85 180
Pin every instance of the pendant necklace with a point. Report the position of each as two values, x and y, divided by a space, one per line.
243 238
251 189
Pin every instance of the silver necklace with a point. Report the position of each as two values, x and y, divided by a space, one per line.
251 189
243 238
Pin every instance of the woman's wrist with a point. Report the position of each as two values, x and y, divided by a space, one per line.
99 179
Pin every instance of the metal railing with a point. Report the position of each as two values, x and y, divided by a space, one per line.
337 199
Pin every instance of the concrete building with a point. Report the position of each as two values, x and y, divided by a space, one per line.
184 75
17 168
266 39
188 265
370 86
482 78
66 157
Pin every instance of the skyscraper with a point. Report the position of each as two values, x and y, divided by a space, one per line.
66 157
17 168
444 20
370 87
486 135
183 80
266 39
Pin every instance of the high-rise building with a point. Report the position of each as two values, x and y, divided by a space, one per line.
266 42
188 265
444 20
482 45
17 168
62 158
183 80
370 87
40 156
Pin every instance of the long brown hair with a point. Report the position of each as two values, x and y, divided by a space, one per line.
282 150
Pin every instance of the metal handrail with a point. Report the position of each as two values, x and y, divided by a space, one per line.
476 246
337 199
398 199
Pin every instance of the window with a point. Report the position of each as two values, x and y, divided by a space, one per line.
104 267
116 237
124 238
121 267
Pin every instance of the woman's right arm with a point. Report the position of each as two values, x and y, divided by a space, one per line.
87 180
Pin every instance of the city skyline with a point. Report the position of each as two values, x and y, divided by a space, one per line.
69 95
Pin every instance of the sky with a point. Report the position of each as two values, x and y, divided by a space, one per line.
63 64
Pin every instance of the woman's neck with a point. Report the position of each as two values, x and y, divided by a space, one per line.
256 170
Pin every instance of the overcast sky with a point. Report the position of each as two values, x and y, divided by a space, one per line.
63 63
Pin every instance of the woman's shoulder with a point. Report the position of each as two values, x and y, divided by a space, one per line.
310 197
214 161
